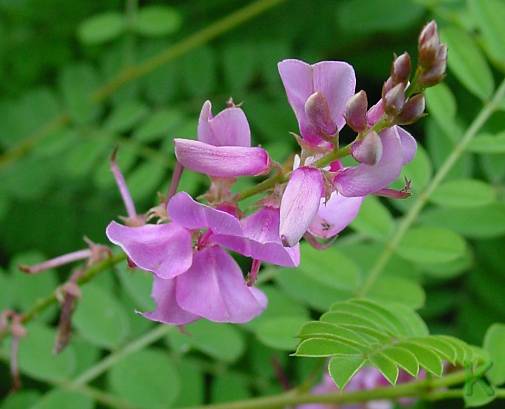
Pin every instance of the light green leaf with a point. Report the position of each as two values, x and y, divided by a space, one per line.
21 399
441 104
386 367
125 115
463 193
280 333
63 399
490 144
403 358
401 290
343 368
467 62
36 358
200 68
192 391
146 178
494 344
478 393
428 359
220 341
101 28
374 219
156 21
147 379
89 150
322 329
100 318
239 64
474 222
138 285
384 15
489 16
323 347
431 245
229 387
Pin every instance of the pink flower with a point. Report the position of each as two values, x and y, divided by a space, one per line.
224 147
191 282
318 94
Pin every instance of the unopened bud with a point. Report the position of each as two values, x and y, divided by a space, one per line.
355 112
395 99
388 86
428 32
318 113
434 75
368 150
400 71
412 110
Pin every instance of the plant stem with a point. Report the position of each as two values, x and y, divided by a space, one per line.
133 72
422 199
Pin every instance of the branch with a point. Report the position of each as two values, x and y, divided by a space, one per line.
422 199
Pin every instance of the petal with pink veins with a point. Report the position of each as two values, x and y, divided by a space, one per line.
214 288
221 161
164 249
409 144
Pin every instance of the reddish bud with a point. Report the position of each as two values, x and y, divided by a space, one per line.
412 110
368 150
355 112
395 99
318 113
429 32
388 86
400 71
433 76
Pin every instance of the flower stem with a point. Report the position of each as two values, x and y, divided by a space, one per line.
422 199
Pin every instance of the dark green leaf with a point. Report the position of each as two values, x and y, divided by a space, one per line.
155 21
101 28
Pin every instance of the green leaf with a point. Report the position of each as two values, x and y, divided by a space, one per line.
490 144
146 378
400 289
463 193
125 115
441 104
229 387
63 399
156 21
343 368
403 358
386 367
467 62
494 344
428 359
200 68
101 28
323 347
158 125
220 341
77 83
431 245
474 222
138 285
478 393
21 399
100 318
280 333
489 16
374 219
36 358
192 391
239 64
89 150
146 178
384 15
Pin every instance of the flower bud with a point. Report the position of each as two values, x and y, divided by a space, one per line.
355 112
400 71
318 113
433 76
428 32
395 99
368 150
412 110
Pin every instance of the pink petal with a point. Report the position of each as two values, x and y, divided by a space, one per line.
228 128
214 288
336 81
375 113
221 161
300 203
194 215
164 249
363 179
167 310
261 239
335 215
409 144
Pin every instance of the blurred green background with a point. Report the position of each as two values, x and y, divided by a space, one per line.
83 77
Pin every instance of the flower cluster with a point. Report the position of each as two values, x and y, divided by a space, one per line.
194 275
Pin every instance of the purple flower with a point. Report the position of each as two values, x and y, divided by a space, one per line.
318 94
191 282
224 147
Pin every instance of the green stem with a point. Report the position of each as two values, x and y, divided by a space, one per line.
423 198
133 72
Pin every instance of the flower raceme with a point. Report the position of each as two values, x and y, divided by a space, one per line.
187 252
